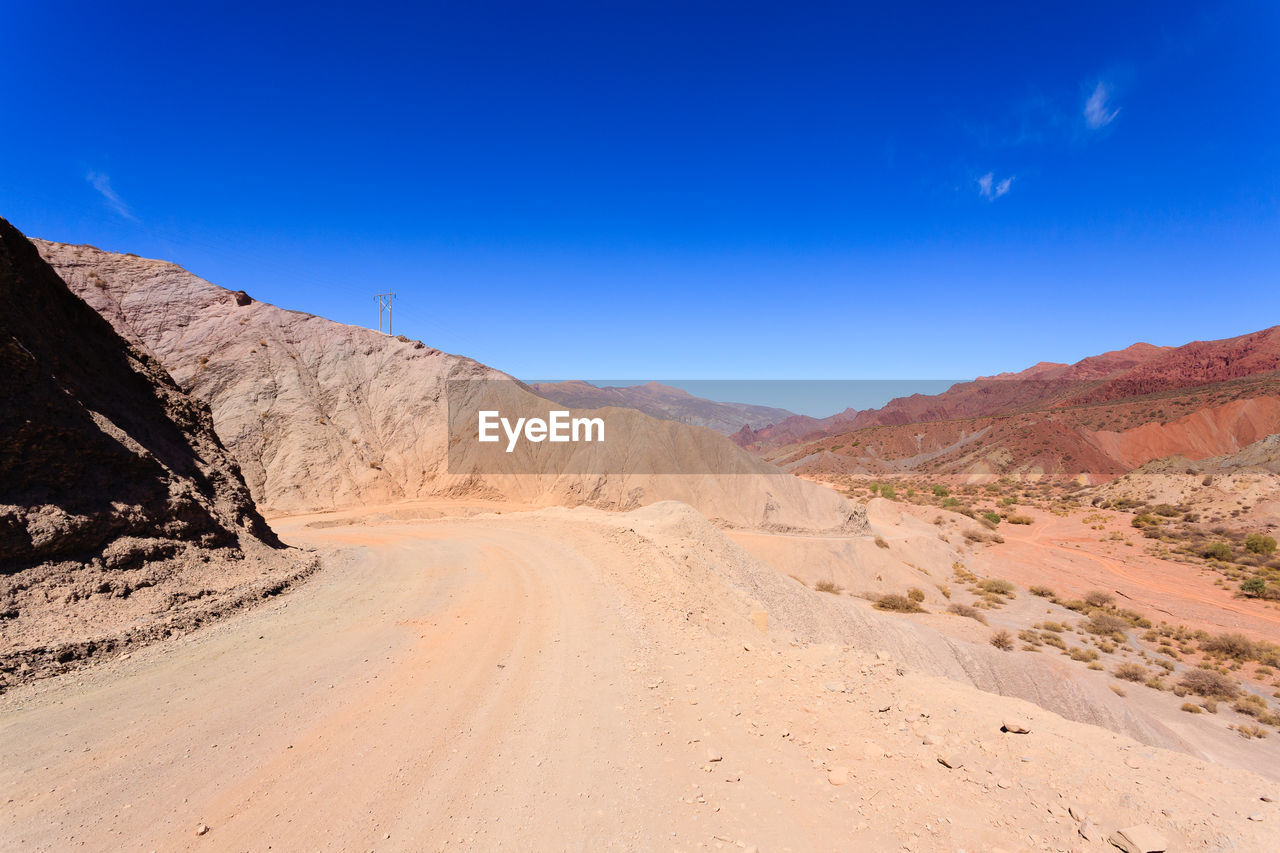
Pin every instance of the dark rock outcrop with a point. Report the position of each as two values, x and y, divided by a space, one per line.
123 519
96 441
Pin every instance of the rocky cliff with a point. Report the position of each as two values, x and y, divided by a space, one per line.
115 492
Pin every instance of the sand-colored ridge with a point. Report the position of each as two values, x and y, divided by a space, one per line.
324 415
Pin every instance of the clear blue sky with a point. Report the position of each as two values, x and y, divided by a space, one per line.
699 190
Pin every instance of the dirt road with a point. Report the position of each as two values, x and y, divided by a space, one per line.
494 683
433 665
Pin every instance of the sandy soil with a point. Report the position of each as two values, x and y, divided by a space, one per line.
556 679
1066 554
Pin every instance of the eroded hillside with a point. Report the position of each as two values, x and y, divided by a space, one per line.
117 501
321 414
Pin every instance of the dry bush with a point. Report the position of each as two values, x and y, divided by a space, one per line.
967 611
1020 519
1130 672
1251 731
828 586
897 604
1099 598
1192 708
915 594
997 586
1042 591
1053 640
1105 624
1251 705
1002 640
880 543
1236 646
1083 655
1117 689
1206 682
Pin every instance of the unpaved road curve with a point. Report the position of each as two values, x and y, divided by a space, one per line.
441 687
474 683
548 681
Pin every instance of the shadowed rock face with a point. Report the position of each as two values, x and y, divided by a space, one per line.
102 457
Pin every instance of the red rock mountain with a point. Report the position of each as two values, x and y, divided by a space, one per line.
1102 415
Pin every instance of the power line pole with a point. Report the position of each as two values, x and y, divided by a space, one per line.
384 306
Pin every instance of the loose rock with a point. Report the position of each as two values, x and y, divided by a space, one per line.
1016 725
1142 838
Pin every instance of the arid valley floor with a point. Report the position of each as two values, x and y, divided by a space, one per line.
517 680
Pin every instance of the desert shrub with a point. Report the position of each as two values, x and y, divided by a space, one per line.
1206 682
1099 598
1146 520
897 604
1083 655
1053 640
1130 672
1257 543
1095 665
1042 591
828 586
1236 646
915 594
967 611
949 502
1055 627
992 517
941 491
997 586
875 488
1117 689
1192 708
1218 551
887 491
1251 731
1210 705
1250 704
1020 519
1166 510
1002 640
1105 624
1254 587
